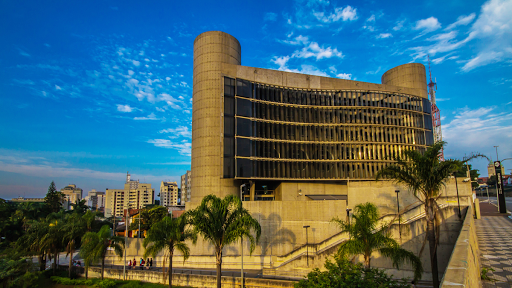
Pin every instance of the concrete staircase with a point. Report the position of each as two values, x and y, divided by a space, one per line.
283 265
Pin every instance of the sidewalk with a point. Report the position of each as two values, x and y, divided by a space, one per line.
494 233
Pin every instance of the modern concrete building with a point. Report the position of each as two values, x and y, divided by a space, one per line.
96 199
186 184
72 194
169 194
135 195
274 130
307 147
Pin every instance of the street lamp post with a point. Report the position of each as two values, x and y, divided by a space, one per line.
125 241
398 212
307 248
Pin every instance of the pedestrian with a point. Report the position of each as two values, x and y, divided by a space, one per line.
134 263
147 264
130 263
150 263
141 264
79 263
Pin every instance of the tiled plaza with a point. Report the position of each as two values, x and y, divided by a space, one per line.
495 244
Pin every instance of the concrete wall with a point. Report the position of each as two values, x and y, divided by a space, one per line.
187 280
464 265
411 75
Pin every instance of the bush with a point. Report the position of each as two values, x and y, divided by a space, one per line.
343 273
107 283
133 284
67 281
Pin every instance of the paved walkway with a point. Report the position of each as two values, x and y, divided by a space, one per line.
494 233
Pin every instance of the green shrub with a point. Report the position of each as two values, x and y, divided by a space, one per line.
107 283
132 284
343 273
67 281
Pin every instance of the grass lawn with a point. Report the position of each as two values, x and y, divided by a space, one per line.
47 283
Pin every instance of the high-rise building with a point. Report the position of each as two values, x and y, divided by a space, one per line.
72 194
168 194
95 199
186 181
135 195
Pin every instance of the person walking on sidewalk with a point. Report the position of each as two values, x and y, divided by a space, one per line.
134 263
150 263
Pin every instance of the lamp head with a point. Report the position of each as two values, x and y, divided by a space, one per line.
397 191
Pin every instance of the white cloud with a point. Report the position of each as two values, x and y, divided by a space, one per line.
151 116
479 130
136 63
494 29
371 18
181 131
39 167
384 35
427 25
314 50
125 108
346 14
461 21
399 25
344 76
270 16
184 147
307 69
23 53
299 40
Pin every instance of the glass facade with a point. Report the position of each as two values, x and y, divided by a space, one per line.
307 134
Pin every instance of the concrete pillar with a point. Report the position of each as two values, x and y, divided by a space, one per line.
412 75
211 50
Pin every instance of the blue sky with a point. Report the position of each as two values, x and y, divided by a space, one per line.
92 89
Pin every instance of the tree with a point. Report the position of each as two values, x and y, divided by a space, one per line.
30 243
169 234
148 218
74 227
79 206
473 173
424 175
366 238
54 198
95 246
491 180
223 222
343 273
51 242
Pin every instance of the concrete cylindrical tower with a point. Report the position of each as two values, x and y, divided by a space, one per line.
211 50
410 75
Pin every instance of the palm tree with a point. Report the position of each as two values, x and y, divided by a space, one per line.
73 228
95 245
223 222
366 238
424 175
51 242
30 241
169 234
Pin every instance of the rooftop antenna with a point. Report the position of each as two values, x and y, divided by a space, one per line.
436 115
